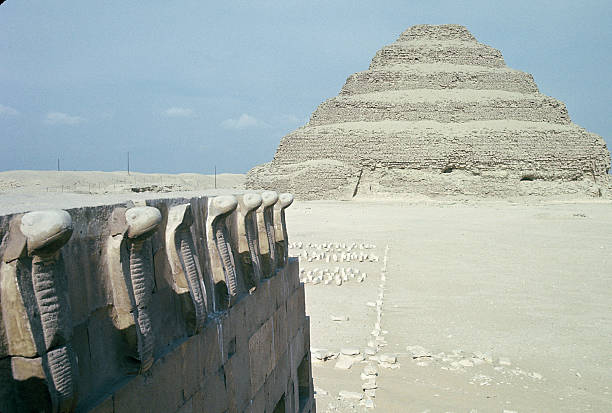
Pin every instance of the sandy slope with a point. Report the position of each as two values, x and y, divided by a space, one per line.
509 303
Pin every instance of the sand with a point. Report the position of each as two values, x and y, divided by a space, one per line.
488 306
96 182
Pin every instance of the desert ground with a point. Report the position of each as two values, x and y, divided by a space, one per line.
443 305
484 306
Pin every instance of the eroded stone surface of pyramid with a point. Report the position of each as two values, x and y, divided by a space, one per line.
438 113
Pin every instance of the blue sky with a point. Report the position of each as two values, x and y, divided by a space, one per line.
187 85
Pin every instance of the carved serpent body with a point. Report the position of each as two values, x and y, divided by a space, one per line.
251 235
139 269
192 275
46 232
269 222
225 253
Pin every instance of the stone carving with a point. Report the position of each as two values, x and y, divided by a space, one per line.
280 228
220 250
186 271
438 113
132 278
248 243
265 229
35 306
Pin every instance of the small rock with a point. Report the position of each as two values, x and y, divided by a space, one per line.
350 395
387 358
466 363
369 385
344 363
320 391
350 351
339 318
371 304
370 370
504 361
369 351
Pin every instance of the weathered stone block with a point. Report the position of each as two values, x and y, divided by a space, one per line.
238 382
280 331
105 405
261 350
213 397
210 350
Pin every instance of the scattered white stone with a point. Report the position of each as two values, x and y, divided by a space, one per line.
466 363
369 351
369 385
320 391
535 375
344 362
350 395
504 361
369 404
387 358
371 304
350 351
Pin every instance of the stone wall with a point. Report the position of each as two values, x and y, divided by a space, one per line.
166 305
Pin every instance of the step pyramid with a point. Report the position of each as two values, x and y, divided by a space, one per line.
438 113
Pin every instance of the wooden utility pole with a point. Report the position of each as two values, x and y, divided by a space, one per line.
128 162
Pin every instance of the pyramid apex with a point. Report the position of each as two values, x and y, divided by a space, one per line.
437 32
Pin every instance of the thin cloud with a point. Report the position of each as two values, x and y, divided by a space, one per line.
176 112
8 111
59 118
245 121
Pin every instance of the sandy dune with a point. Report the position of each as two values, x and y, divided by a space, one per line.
96 182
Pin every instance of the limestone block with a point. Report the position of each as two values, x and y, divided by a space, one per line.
281 335
211 358
238 381
261 350
213 399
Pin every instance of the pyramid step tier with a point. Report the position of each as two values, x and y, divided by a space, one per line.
527 148
438 32
456 105
450 52
439 76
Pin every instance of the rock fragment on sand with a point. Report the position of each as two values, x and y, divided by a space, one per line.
319 391
387 358
504 361
350 351
350 395
344 362
369 385
339 318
